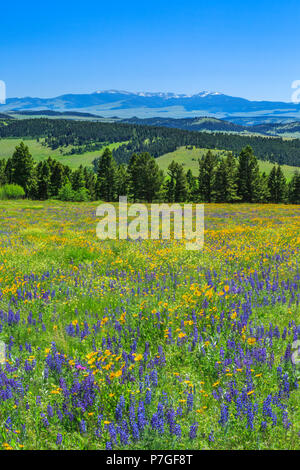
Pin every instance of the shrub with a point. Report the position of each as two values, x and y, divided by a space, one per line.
82 195
11 191
66 193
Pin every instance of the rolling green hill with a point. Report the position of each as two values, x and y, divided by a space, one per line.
187 157
84 139
41 152
189 160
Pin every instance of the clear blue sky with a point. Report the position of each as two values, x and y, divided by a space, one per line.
242 48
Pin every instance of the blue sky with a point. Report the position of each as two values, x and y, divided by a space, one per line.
248 49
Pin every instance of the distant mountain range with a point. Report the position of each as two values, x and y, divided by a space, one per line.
126 104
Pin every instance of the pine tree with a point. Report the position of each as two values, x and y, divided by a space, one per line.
2 172
248 177
90 179
106 186
277 185
78 181
231 172
192 186
43 180
294 189
122 180
9 171
207 167
22 167
145 177
171 182
57 177
221 183
261 193
272 185
281 185
169 190
33 192
225 183
177 188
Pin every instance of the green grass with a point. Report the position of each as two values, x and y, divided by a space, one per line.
287 170
41 152
189 159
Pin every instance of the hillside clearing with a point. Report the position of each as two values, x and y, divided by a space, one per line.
189 159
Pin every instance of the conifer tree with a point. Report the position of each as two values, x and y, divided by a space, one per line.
145 177
221 183
90 180
78 181
22 167
177 188
231 171
261 193
294 189
277 185
122 180
207 166
2 172
272 185
192 185
43 180
248 177
8 171
106 186
281 185
57 177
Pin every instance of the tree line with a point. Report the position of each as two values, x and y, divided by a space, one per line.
84 136
220 179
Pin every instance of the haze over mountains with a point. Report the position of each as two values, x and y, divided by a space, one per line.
126 104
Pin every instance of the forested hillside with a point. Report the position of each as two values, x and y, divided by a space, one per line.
221 178
84 136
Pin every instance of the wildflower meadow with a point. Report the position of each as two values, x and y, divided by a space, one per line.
143 344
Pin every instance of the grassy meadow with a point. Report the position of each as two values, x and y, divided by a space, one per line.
144 344
189 159
41 152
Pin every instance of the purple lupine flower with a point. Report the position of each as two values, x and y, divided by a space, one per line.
148 397
224 415
82 426
141 416
112 432
264 425
135 431
44 420
190 401
50 411
193 430
177 430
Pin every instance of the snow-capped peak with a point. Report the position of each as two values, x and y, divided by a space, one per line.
165 95
203 94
